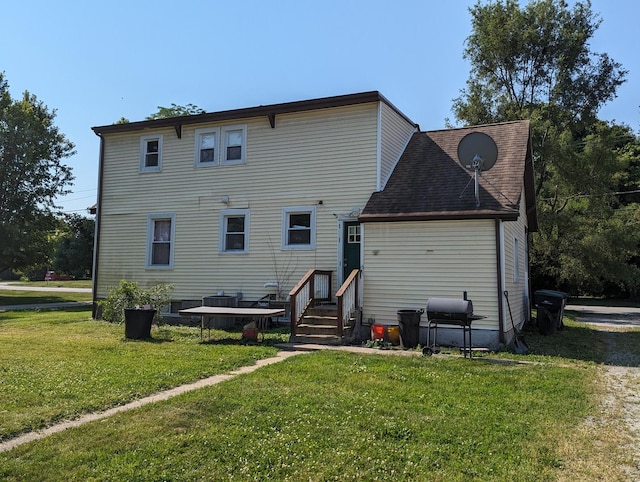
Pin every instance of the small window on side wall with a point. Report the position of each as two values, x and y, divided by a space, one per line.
234 231
151 153
206 151
516 259
299 228
233 144
160 240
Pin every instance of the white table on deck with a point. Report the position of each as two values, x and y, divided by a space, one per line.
260 314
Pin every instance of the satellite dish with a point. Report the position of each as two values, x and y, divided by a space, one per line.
477 152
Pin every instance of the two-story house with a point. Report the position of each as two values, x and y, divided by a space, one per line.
246 202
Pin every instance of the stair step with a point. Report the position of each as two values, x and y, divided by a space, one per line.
323 310
316 329
316 339
320 320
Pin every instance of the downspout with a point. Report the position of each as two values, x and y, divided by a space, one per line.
96 237
528 286
500 277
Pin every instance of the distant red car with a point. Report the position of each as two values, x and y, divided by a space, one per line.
53 276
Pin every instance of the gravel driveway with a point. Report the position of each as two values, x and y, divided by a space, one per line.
622 371
607 316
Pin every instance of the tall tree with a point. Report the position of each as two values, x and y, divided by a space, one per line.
535 62
74 253
32 174
176 111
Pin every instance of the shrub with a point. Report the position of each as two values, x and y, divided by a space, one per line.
129 295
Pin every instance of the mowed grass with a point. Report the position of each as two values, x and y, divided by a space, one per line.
26 297
57 364
320 416
335 416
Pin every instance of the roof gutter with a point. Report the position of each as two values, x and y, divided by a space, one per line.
269 111
456 216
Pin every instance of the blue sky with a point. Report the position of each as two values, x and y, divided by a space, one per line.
95 62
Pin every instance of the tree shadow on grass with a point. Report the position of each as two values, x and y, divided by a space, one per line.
8 300
578 341
152 339
233 336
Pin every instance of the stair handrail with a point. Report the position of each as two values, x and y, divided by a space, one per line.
347 299
315 285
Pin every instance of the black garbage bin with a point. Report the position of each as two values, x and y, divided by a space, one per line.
409 323
550 310
137 323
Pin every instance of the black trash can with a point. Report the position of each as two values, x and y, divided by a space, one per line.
550 310
137 323
409 323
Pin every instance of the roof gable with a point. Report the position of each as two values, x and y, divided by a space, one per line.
429 182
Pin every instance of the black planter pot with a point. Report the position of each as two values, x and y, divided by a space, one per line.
137 323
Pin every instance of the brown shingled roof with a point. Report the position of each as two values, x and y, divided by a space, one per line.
429 181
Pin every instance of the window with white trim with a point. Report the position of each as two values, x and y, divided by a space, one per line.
299 227
233 144
151 153
160 240
206 153
234 231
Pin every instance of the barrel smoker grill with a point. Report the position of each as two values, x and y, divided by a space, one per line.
449 311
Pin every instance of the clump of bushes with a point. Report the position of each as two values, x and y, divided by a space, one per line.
130 295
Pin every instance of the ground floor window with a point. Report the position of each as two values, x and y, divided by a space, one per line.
160 240
299 228
234 231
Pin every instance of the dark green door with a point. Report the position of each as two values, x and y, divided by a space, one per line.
350 248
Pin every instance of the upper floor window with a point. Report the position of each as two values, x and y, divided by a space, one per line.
220 145
233 144
151 153
207 146
299 228
234 231
160 240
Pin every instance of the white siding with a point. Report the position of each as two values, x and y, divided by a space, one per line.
405 263
326 156
396 132
515 286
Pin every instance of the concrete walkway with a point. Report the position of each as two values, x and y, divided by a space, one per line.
43 306
618 317
288 350
167 394
20 287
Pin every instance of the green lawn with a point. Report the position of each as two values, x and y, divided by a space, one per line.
14 297
321 416
57 364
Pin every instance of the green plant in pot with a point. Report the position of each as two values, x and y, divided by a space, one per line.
137 307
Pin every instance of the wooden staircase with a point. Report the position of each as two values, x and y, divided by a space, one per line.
319 326
314 317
